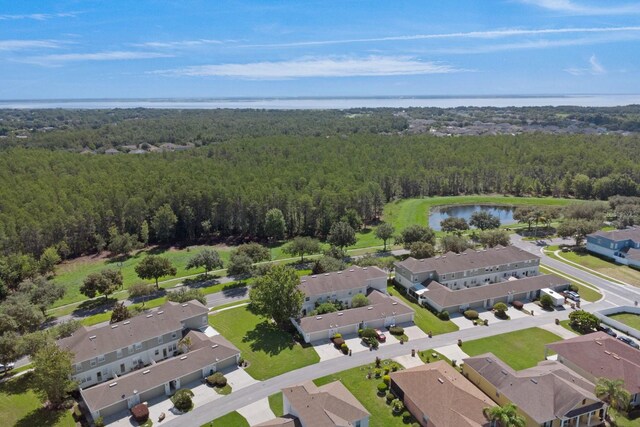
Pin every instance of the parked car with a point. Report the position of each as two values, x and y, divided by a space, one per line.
607 330
7 368
629 341
573 296
381 337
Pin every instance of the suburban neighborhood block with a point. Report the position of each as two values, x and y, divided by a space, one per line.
622 246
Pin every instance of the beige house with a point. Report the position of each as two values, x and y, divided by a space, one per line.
330 405
341 285
599 355
547 395
437 395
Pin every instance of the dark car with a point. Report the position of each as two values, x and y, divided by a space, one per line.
629 341
607 330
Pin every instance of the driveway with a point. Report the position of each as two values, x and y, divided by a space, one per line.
412 331
326 350
559 331
258 412
408 362
238 378
452 352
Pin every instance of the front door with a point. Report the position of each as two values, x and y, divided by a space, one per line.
99 377
122 368
164 353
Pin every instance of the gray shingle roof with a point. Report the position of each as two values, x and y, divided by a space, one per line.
354 277
380 306
544 392
631 233
203 352
470 259
87 343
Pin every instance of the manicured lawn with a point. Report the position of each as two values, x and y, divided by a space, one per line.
19 406
628 319
565 324
427 356
622 419
276 405
232 419
270 351
520 349
223 390
403 213
355 380
587 293
620 272
424 319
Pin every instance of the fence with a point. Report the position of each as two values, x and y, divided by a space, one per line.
603 316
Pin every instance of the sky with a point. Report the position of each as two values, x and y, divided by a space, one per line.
60 49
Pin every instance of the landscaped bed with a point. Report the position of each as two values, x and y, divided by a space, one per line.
269 350
520 349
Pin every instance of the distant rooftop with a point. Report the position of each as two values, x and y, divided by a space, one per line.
631 233
354 277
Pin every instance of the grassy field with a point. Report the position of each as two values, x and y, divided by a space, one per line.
587 293
520 349
275 403
355 380
232 419
620 272
19 406
565 324
628 319
403 213
270 351
424 319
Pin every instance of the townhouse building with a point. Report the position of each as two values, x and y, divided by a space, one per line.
621 246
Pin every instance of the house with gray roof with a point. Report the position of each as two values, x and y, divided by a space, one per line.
547 395
341 285
382 311
330 405
599 355
621 246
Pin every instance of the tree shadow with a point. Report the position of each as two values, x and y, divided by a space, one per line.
236 289
41 417
201 281
268 338
94 306
156 294
19 385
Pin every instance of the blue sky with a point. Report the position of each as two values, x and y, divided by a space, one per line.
217 48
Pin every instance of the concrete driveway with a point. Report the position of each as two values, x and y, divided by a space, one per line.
408 362
452 352
258 412
412 331
326 350
238 378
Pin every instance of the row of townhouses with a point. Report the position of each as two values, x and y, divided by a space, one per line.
622 246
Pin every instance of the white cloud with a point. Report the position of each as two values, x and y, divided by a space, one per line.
16 45
595 68
490 34
317 67
58 59
178 44
580 8
39 16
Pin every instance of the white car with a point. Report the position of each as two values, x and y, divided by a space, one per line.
7 368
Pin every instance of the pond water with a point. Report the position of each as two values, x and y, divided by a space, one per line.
437 214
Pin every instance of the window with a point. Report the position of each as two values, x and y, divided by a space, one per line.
138 346
119 353
78 367
157 352
92 363
160 339
307 299
173 335
101 358
130 349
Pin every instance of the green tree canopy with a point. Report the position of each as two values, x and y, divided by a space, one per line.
276 295
422 250
52 374
359 300
302 246
454 243
48 260
275 226
155 267
583 321
493 238
416 233
208 259
341 234
42 292
484 220
454 224
164 223
613 392
505 416
104 283
384 232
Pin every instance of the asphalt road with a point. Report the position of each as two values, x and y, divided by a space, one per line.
614 294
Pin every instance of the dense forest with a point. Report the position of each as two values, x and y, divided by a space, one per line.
79 202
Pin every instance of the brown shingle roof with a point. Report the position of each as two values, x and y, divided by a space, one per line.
631 233
444 395
87 343
602 356
355 277
470 259
203 352
380 306
544 392
284 421
328 406
445 297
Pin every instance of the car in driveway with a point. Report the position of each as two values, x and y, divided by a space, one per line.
607 330
629 341
380 336
573 296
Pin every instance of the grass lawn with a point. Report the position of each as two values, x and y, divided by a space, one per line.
403 213
620 272
565 324
424 319
628 319
622 419
270 351
355 380
520 349
232 419
276 405
223 390
427 356
587 293
19 406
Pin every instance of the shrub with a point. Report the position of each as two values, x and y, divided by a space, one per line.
182 399
372 342
443 315
382 388
397 406
185 294
377 372
378 361
140 413
518 305
369 333
338 342
386 379
345 348
500 307
337 336
387 369
396 330
217 380
359 300
546 301
390 397
471 314
99 422
394 367
360 332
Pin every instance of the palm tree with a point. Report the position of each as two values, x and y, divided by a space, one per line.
613 392
184 344
505 416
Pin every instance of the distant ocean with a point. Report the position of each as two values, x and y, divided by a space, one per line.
339 103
